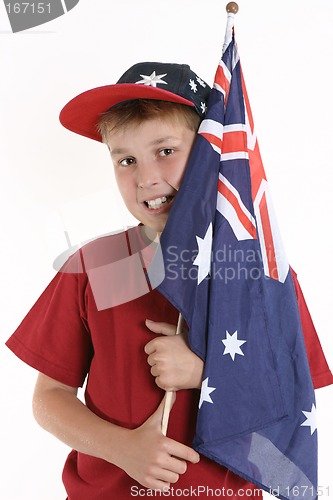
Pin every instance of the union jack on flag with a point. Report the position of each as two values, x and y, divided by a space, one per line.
256 412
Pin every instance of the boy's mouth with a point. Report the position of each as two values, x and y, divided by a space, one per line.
158 202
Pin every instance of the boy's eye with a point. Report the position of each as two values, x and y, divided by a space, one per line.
166 151
127 162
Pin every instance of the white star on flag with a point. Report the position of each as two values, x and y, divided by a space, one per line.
205 391
232 345
193 86
204 257
203 107
152 79
311 418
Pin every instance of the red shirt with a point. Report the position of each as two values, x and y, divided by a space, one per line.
67 338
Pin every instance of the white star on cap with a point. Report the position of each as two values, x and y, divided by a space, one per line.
203 107
232 345
203 259
205 391
311 418
152 79
193 86
201 82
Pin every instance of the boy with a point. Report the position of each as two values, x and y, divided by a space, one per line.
148 121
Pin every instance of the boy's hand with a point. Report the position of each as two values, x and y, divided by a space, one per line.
155 461
144 453
172 362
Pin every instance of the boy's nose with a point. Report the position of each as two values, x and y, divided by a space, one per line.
147 175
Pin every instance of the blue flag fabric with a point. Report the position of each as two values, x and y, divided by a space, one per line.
226 272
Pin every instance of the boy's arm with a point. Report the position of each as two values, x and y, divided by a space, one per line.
143 453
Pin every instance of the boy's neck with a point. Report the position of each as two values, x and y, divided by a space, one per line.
151 234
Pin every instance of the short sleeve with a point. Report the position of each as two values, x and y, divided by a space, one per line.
54 336
320 372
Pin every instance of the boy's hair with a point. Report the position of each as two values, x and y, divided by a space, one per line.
137 111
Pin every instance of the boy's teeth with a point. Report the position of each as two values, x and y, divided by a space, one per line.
157 203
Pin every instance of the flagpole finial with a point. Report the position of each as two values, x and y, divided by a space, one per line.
232 8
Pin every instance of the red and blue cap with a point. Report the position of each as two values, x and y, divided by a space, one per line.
148 80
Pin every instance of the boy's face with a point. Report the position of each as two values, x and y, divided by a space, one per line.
149 162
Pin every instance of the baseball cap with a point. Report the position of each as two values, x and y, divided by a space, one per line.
147 80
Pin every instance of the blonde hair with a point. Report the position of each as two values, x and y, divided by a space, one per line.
140 110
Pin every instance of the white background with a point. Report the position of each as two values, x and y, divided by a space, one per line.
286 49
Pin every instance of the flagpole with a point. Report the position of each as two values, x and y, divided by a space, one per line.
232 9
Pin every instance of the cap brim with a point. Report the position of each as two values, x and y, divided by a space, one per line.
82 113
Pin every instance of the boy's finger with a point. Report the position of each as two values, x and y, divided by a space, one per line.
155 345
183 452
149 348
161 328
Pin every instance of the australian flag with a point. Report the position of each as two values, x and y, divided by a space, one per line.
226 272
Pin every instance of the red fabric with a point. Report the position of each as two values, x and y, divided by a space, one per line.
65 337
320 372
